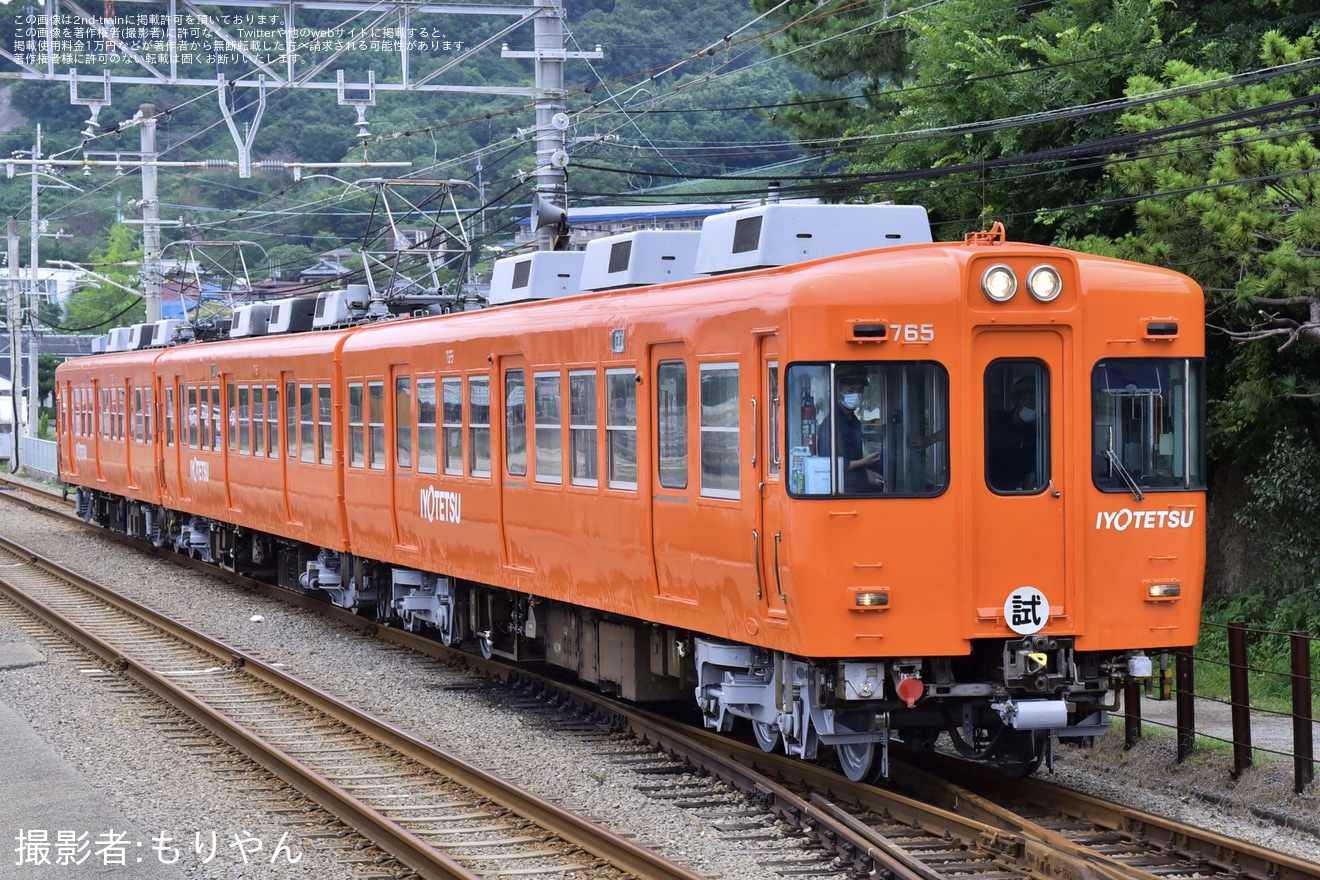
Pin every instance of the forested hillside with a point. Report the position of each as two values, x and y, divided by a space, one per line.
647 115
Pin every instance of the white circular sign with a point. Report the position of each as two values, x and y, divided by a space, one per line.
1026 611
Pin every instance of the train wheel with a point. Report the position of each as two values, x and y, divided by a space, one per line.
767 735
858 761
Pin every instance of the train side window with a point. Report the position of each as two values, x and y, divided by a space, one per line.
307 421
147 437
582 429
671 424
403 421
290 420
357 451
515 423
324 444
548 429
1017 426
216 415
244 419
479 426
194 415
621 427
273 421
137 415
719 430
204 420
121 432
376 424
258 419
426 448
169 415
453 425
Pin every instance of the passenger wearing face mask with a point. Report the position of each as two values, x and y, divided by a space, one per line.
859 474
1011 442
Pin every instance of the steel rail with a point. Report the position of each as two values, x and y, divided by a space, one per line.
968 815
416 854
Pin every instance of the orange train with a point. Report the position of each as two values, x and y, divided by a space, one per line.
826 474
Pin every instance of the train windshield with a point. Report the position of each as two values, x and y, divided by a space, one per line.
1149 428
867 428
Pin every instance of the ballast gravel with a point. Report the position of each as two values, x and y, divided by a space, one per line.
140 766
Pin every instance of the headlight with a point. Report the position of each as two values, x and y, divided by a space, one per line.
999 283
1044 283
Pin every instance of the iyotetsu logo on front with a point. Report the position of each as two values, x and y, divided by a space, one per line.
1122 520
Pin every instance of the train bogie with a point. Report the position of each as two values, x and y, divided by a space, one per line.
926 491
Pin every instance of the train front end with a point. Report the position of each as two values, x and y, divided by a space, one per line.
994 505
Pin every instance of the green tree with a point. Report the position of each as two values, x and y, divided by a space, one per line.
1233 200
1004 109
285 261
106 304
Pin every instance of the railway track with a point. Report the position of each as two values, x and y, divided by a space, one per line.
978 827
436 814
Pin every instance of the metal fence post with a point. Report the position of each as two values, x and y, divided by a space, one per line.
1131 713
1186 704
1237 684
1303 741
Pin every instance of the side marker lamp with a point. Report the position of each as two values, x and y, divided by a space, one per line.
1164 591
1044 283
998 283
871 599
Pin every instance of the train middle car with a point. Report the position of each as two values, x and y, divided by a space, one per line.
917 490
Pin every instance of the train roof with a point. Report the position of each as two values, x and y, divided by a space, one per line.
612 271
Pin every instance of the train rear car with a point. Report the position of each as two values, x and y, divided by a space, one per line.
107 437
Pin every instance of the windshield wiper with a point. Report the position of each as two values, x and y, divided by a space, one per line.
1123 472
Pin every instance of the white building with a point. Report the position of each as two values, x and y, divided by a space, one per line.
53 285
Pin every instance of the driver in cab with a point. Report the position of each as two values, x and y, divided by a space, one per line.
859 467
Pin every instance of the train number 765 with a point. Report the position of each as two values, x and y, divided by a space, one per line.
912 332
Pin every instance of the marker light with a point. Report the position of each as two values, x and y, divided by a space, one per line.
1164 591
1044 283
999 283
910 690
871 600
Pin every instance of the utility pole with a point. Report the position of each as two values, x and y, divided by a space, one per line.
34 395
151 280
15 344
551 120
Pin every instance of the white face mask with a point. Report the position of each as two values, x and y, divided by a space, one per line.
851 401
1027 414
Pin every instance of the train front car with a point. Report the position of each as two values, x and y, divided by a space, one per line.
993 507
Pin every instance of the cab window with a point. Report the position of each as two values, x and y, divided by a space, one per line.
1017 427
1148 431
866 428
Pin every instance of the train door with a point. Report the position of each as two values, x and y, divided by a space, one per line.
401 415
672 495
767 457
512 472
1019 479
163 426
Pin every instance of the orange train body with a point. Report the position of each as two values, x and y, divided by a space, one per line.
648 486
